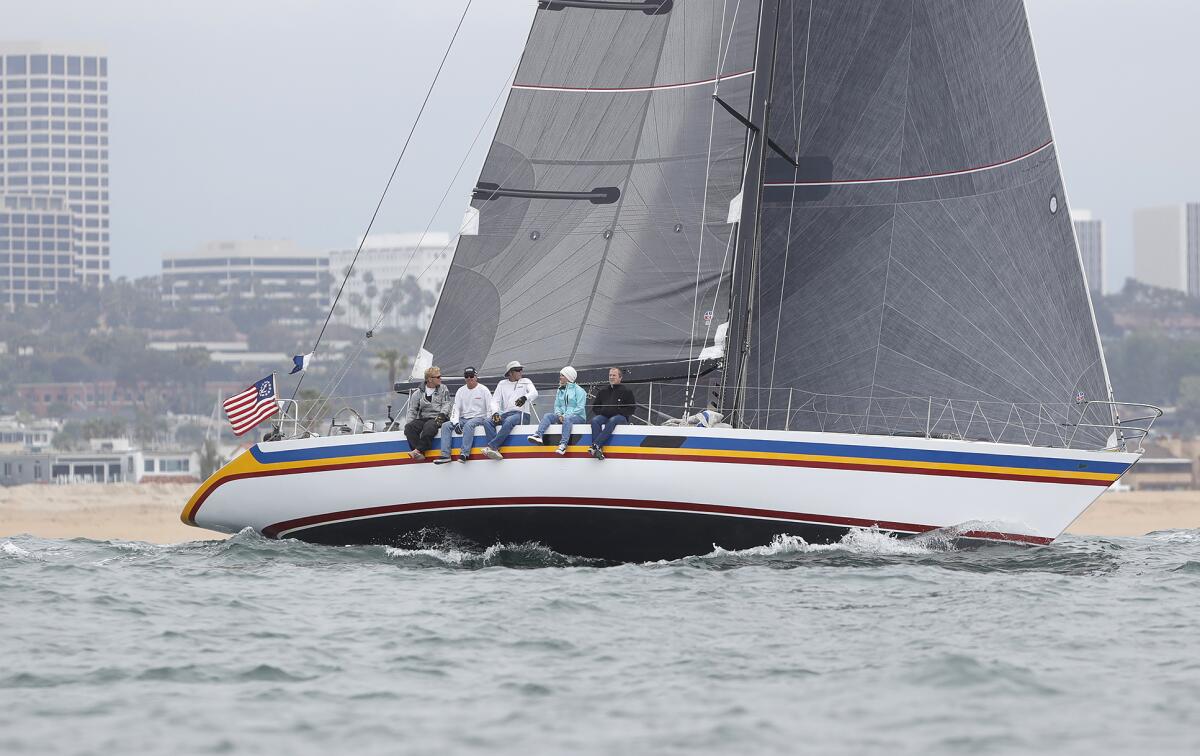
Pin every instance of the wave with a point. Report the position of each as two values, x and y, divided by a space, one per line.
520 555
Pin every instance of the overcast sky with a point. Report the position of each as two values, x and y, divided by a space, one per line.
282 118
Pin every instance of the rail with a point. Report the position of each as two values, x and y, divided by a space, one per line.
1088 424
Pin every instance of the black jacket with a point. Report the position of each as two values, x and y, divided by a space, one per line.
614 400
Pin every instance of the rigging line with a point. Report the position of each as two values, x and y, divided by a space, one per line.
712 120
387 304
386 187
723 56
792 208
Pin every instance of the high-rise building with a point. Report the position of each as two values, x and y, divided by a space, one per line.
377 290
221 275
54 140
1089 231
1166 246
37 254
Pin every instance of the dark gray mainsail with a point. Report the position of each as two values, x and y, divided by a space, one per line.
920 264
598 187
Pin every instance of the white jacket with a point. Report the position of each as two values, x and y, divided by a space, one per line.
507 393
469 403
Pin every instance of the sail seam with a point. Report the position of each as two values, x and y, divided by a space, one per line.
887 272
616 217
921 177
652 88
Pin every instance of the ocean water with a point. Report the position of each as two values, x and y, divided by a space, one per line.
873 645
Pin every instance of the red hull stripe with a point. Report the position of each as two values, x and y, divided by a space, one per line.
274 531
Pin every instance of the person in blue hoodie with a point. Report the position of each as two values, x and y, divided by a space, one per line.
570 403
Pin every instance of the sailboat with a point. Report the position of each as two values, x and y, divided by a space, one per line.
838 225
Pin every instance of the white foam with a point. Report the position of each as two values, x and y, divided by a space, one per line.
449 556
858 541
11 549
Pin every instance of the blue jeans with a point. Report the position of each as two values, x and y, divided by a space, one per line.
468 434
567 422
603 427
508 421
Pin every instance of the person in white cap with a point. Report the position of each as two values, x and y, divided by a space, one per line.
510 406
570 404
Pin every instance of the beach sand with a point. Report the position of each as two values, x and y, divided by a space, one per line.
121 511
151 512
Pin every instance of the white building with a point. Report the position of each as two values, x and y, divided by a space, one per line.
1089 231
222 274
377 285
1166 246
54 139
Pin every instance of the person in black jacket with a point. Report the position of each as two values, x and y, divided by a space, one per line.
612 406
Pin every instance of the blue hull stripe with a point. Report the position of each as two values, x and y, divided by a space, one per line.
732 444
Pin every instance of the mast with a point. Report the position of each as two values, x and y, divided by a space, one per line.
749 240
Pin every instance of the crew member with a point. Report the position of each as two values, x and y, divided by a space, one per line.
427 410
471 404
510 406
569 405
614 405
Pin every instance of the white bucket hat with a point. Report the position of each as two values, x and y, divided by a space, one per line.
569 373
513 366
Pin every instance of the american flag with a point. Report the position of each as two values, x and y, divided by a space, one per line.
248 408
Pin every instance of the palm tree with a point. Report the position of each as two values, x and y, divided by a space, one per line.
390 360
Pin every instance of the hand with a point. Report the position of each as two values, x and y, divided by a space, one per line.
520 402
458 427
495 418
441 419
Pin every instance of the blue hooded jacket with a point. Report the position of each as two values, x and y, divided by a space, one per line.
570 400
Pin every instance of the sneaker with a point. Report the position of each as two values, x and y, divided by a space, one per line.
491 453
599 453
592 450
561 450
443 459
535 439
463 457
416 454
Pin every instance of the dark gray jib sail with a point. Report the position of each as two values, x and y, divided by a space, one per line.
598 184
920 260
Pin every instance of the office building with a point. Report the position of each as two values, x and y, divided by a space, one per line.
54 140
1166 246
223 275
1089 232
378 292
37 249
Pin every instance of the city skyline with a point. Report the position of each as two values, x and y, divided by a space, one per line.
267 140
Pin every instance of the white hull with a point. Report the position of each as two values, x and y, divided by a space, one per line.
697 486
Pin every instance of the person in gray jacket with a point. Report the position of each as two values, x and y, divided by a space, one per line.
428 408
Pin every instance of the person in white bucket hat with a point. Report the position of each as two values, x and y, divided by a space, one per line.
570 404
511 402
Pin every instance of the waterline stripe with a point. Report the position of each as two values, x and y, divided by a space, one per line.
286 528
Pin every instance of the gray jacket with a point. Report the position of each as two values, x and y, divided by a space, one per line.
421 408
